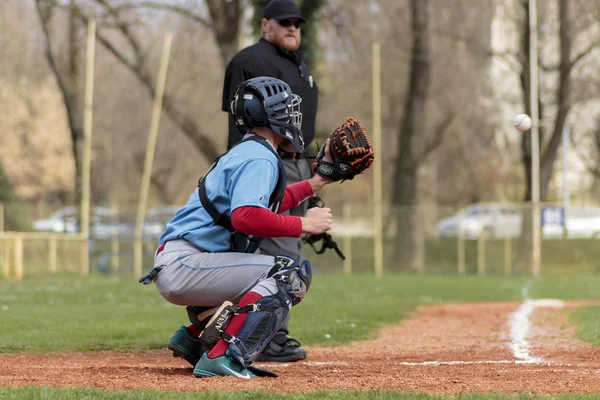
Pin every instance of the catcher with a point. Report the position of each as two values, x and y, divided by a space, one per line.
237 300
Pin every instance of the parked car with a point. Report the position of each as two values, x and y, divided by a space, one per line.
504 221
104 223
491 220
65 220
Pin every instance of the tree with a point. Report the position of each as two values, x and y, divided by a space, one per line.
409 245
68 77
119 31
225 17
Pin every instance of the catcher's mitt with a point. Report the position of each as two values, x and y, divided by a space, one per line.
350 150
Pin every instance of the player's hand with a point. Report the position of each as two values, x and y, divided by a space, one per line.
317 181
317 221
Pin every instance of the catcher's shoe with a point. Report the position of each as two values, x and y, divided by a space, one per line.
183 345
228 366
282 348
221 366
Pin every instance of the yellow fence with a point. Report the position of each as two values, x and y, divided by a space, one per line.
13 253
448 243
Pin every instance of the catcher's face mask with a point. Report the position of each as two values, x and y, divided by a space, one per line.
285 119
295 120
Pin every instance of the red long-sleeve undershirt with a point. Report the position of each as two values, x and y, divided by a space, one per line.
258 221
295 194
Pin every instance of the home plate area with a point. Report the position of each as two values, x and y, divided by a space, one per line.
510 348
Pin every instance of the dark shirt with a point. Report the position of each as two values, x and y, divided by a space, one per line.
267 59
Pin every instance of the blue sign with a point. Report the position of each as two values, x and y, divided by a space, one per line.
553 216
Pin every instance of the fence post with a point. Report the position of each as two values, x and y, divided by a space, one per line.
52 255
19 256
507 256
460 244
377 164
114 250
1 217
347 217
6 258
85 256
481 254
150 150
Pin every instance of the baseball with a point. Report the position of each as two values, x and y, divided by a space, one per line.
522 122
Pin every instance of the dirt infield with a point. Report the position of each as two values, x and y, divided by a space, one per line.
443 349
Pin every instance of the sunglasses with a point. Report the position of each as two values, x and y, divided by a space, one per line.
286 23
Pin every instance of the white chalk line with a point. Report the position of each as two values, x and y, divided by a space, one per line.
553 367
520 327
407 363
519 323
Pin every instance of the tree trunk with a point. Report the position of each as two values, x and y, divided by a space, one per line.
226 21
409 242
563 96
68 82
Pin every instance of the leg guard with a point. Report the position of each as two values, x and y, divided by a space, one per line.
217 324
285 286
199 316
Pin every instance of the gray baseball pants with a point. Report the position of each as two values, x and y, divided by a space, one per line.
190 277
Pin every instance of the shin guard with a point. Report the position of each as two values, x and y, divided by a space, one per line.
285 286
265 317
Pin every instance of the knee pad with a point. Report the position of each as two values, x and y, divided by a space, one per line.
293 277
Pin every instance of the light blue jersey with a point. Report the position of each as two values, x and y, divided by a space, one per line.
245 176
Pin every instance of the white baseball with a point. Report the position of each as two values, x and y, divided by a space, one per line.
522 122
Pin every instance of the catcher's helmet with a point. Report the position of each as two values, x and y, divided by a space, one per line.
269 102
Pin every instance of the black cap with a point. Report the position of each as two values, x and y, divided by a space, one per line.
282 9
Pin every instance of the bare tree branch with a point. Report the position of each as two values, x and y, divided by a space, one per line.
435 143
126 32
590 165
509 57
167 7
203 143
584 53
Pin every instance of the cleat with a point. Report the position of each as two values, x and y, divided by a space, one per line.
183 345
221 366
282 348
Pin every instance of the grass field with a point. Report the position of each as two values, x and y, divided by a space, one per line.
559 257
69 313
33 393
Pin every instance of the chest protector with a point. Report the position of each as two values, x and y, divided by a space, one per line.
241 242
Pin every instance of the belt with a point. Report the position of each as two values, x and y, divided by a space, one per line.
161 248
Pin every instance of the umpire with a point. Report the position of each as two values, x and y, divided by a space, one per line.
276 55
